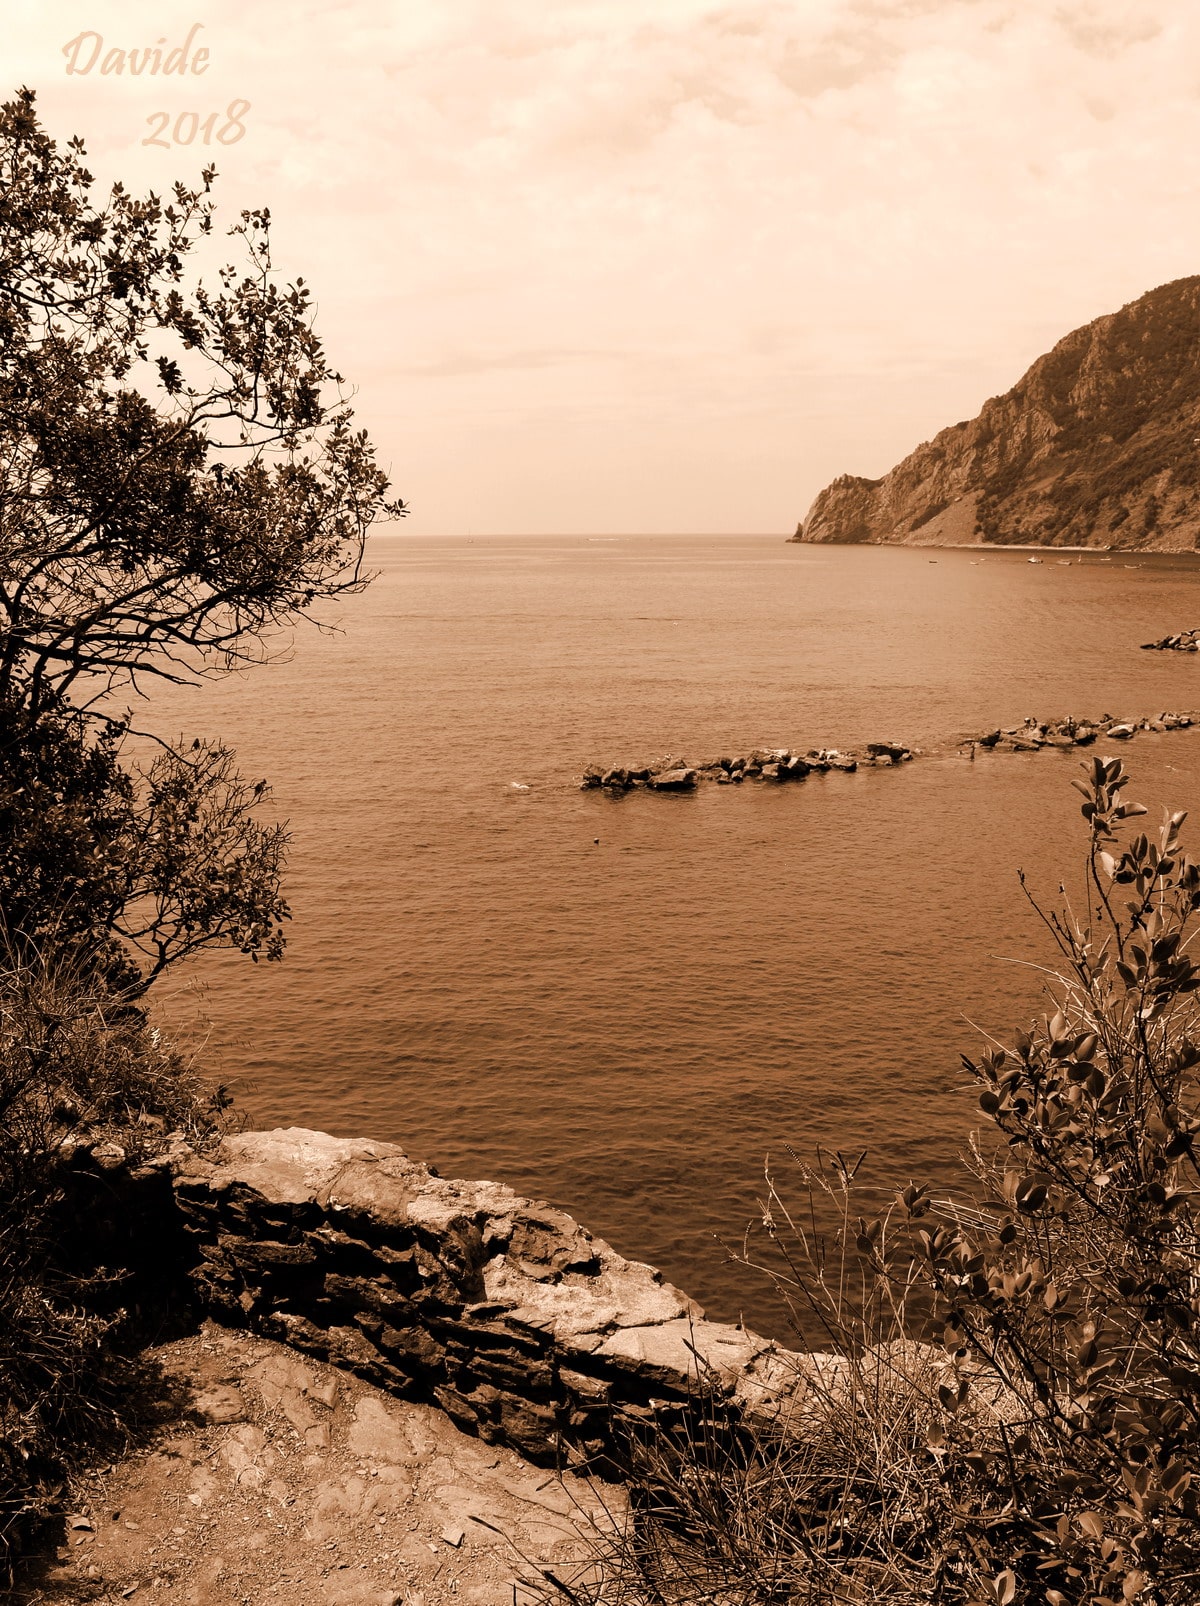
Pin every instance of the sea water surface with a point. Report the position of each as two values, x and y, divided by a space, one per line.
624 1005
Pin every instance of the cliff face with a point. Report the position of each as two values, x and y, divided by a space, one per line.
1097 445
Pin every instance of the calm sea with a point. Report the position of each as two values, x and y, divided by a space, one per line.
625 1005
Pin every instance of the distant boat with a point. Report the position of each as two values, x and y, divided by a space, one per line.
1033 560
1064 563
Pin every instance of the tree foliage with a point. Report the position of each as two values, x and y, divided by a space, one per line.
181 472
181 481
136 866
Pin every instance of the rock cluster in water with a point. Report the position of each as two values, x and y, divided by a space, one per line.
781 764
1185 641
763 764
1035 734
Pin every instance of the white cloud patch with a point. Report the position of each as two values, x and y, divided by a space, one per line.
755 243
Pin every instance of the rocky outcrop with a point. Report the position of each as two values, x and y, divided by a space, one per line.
522 1326
277 1479
1097 445
777 764
1184 641
763 764
1034 734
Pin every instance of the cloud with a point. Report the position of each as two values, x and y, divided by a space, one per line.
705 234
1107 31
508 361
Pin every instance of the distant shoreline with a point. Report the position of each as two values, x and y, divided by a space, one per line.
997 546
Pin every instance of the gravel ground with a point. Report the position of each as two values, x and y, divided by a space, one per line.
282 1480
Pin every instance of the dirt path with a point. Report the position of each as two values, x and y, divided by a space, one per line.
286 1481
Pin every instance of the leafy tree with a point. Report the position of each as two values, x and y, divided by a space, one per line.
181 481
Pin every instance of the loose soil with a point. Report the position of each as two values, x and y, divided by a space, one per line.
281 1480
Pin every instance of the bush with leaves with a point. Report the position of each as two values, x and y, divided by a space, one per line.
1009 1411
1075 1286
75 1070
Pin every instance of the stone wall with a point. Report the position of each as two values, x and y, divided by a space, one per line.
506 1312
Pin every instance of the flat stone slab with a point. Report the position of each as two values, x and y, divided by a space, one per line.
291 1165
697 1351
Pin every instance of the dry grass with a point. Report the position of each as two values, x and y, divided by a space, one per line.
829 1492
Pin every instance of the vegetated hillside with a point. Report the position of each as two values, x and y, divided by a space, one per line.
1097 445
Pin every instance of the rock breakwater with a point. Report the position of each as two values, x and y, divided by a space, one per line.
1035 734
762 764
781 764
1185 641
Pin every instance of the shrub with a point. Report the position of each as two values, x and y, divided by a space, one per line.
75 1070
1075 1285
1010 1412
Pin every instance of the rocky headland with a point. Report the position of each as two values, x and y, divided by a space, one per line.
1097 445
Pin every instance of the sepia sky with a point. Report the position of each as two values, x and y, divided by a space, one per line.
667 265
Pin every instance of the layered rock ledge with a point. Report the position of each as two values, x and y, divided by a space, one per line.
515 1320
276 1478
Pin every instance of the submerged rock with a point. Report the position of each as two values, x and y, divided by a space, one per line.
890 750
